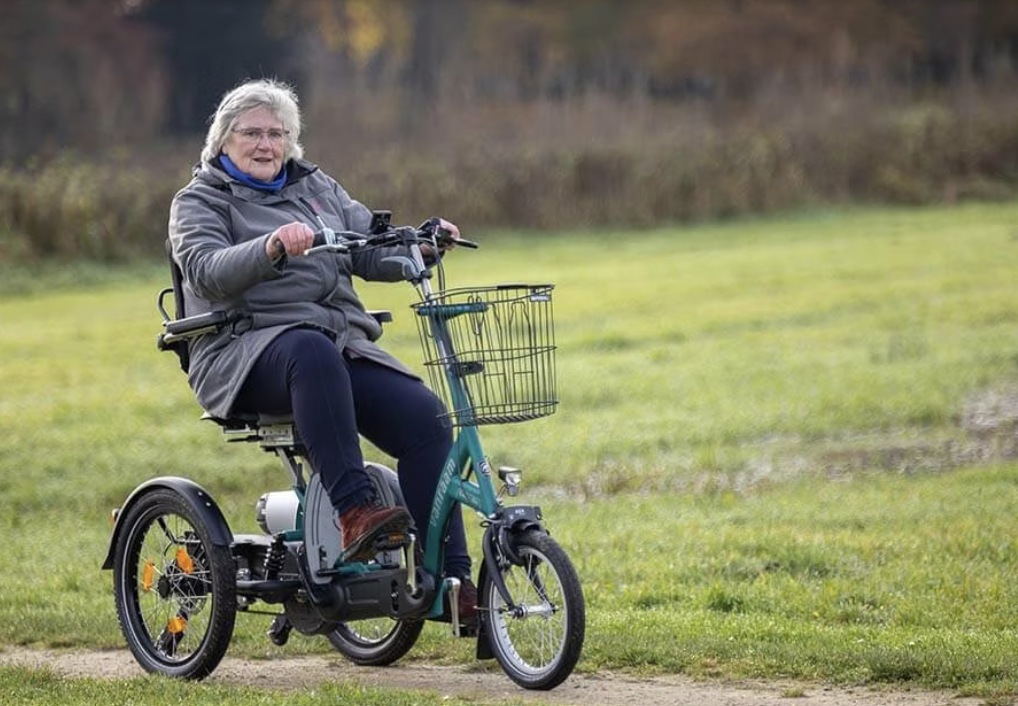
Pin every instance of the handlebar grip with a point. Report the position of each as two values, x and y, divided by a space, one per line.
341 241
324 237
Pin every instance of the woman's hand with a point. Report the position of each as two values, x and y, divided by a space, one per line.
291 239
454 232
452 229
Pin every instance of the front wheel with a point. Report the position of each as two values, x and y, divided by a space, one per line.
175 591
538 641
376 642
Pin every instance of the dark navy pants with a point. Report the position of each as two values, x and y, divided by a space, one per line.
333 399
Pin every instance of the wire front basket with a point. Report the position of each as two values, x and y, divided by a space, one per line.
497 345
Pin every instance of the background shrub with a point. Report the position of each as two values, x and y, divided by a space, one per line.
673 167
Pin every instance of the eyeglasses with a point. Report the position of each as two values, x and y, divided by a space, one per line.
255 135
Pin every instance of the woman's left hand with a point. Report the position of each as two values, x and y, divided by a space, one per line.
454 234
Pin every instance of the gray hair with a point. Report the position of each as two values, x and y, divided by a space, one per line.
263 93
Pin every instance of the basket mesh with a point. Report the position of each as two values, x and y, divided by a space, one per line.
500 343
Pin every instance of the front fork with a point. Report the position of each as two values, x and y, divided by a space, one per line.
499 551
498 545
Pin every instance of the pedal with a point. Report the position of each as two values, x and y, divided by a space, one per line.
392 540
454 604
451 614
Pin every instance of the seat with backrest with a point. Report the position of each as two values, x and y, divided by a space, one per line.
180 328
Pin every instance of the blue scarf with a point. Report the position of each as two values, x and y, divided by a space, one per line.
246 179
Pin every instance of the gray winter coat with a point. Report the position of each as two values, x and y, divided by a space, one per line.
218 230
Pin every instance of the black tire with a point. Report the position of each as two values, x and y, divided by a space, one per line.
377 642
539 644
175 591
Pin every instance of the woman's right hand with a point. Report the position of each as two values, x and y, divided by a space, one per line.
291 239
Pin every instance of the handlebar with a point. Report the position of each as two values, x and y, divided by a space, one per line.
328 240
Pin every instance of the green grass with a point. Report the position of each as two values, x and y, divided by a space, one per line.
802 429
885 578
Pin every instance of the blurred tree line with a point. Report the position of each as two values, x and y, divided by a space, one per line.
515 112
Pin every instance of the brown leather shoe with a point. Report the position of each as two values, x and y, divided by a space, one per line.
363 526
468 602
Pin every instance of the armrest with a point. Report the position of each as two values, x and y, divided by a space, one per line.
192 326
196 325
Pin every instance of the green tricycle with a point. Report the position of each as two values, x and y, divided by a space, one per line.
181 575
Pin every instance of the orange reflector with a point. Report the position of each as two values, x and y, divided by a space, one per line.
176 625
147 577
184 561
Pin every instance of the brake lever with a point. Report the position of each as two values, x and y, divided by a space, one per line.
412 272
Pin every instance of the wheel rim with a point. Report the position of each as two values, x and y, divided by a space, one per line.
370 632
533 637
169 588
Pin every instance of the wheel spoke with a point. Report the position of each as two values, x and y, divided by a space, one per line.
161 521
534 634
175 587
175 594
539 640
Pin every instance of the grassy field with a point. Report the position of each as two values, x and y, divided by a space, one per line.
804 429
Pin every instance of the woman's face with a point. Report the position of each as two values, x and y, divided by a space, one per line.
256 144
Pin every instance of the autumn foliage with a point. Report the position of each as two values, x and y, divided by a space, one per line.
509 112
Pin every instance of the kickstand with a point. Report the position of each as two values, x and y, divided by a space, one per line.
279 632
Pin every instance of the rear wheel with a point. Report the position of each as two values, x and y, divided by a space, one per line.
175 591
538 641
375 642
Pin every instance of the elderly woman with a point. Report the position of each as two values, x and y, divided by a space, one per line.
308 347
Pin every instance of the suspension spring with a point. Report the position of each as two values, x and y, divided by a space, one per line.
275 558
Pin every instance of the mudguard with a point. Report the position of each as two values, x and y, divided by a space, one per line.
483 650
323 545
192 493
386 483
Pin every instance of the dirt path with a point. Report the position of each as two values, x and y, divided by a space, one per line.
491 686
